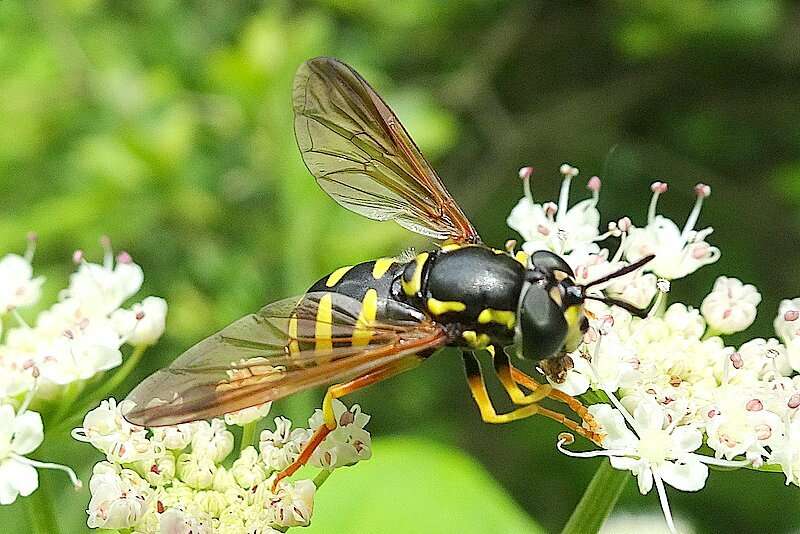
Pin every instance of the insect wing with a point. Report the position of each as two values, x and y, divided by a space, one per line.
363 157
276 352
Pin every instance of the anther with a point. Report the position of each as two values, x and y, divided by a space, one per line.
791 315
565 438
736 360
594 184
702 190
754 405
550 209
525 173
124 257
568 170
77 256
794 401
659 187
624 224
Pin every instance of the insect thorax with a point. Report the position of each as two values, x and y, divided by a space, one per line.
473 289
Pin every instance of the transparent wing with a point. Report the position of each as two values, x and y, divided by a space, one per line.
363 157
288 346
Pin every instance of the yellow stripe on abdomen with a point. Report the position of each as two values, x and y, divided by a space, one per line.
323 329
337 275
362 333
381 266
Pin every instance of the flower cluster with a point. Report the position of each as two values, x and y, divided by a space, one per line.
181 479
670 394
44 366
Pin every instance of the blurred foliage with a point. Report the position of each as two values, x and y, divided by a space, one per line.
167 126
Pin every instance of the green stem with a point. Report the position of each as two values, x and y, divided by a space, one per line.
248 435
323 475
102 392
598 500
40 511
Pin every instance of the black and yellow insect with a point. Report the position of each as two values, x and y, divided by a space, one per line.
367 322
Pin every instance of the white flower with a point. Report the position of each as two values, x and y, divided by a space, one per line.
119 497
101 289
18 287
143 324
293 503
348 443
107 430
248 415
678 252
786 453
655 451
281 447
196 470
212 440
175 521
787 326
731 305
739 424
557 228
19 435
246 470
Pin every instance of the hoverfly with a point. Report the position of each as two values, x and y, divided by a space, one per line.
364 323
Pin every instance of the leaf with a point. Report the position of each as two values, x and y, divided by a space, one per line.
415 485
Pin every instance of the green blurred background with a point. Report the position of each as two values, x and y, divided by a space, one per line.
167 126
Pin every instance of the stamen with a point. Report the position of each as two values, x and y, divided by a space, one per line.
31 248
31 392
108 257
511 246
587 454
658 189
662 497
525 174
19 319
594 185
77 257
625 414
702 191
569 173
47 465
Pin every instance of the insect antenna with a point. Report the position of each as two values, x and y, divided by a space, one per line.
622 272
633 310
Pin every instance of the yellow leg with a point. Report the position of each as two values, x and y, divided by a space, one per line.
328 416
488 413
503 368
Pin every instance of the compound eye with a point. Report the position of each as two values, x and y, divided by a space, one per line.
542 327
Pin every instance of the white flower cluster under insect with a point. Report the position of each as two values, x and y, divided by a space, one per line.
47 361
182 479
671 395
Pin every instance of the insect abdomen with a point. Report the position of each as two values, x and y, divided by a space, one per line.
369 283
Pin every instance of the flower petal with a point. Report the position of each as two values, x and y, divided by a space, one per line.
28 433
687 476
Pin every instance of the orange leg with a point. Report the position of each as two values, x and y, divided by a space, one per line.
572 403
489 414
340 390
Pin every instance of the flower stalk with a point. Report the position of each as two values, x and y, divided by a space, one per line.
598 500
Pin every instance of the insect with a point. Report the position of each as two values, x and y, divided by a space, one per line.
364 323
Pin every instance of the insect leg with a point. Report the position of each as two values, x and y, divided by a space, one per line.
478 388
503 367
572 403
339 390
488 413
